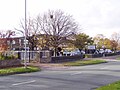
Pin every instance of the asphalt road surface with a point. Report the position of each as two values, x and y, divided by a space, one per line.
66 78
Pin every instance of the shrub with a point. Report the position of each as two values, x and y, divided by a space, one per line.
3 57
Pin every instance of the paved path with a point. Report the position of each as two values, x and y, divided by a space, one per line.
57 66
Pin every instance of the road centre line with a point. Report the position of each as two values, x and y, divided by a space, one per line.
23 83
76 73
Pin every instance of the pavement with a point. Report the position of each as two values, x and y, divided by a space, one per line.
46 66
54 66
51 66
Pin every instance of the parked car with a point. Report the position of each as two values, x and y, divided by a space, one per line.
83 52
75 52
105 51
96 52
66 53
108 51
101 51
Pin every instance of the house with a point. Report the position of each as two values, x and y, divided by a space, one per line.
16 43
3 45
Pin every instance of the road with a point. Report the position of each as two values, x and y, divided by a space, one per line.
66 78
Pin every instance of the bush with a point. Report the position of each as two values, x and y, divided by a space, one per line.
3 57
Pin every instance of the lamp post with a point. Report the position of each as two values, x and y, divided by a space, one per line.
25 61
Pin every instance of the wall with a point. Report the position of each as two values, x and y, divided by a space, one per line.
66 58
9 63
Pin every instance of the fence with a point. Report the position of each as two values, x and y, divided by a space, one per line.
41 56
30 55
44 56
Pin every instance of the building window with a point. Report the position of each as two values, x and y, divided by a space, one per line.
20 42
26 41
8 42
13 42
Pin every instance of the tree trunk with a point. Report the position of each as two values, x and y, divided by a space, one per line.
55 52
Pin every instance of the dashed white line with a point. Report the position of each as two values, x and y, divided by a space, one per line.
104 68
23 83
76 73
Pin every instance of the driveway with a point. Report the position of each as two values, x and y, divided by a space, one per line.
65 78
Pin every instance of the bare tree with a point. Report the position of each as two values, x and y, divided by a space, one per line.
4 37
31 32
57 26
7 34
116 36
115 40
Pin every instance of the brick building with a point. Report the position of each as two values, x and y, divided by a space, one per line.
12 43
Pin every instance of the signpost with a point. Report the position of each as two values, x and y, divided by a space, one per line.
91 47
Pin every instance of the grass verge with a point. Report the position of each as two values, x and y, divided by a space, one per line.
118 58
18 70
84 62
112 86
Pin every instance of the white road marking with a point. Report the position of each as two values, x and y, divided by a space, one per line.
76 73
43 86
104 68
23 83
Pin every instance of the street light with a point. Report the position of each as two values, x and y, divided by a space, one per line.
25 61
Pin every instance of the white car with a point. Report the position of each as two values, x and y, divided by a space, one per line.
105 51
66 53
108 51
101 51
75 52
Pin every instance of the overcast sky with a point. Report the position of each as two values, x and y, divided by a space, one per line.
94 16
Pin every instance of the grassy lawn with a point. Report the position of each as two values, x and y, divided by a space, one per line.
16 70
112 86
84 62
118 58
